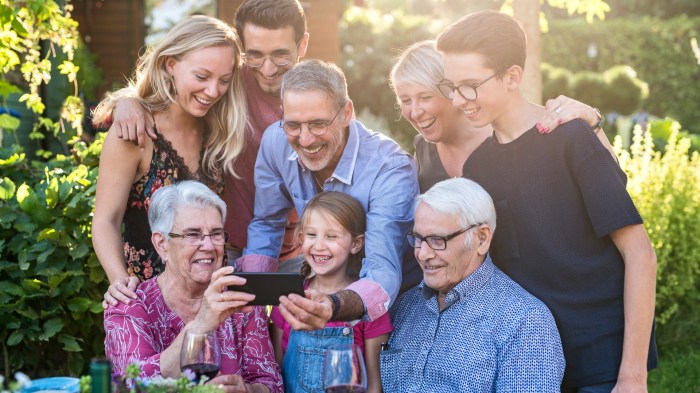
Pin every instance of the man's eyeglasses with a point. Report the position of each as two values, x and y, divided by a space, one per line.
437 243
467 91
197 238
316 127
279 59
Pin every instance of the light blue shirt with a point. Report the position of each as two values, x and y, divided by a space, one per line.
492 336
374 170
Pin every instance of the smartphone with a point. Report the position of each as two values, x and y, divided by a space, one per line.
268 287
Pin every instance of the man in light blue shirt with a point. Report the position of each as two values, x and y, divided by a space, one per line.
467 327
318 147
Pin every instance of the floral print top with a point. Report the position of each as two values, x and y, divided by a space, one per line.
167 167
140 331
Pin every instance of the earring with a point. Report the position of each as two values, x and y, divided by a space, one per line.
172 82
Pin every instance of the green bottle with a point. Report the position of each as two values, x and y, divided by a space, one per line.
101 373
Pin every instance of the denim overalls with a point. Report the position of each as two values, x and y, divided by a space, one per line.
302 367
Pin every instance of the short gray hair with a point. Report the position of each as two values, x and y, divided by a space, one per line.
316 75
166 201
421 64
464 199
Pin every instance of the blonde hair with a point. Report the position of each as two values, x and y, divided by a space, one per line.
421 64
226 120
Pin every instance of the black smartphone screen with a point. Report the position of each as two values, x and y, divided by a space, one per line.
268 287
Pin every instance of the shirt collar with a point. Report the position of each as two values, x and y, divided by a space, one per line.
346 165
465 288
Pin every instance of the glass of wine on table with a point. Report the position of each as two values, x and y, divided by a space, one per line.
344 370
200 354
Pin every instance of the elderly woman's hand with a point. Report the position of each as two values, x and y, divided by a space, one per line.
120 290
234 383
219 303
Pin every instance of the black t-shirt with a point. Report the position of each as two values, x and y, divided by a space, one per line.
558 197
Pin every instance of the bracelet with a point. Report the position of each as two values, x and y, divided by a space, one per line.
336 305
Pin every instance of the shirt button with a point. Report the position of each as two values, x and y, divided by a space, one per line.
346 331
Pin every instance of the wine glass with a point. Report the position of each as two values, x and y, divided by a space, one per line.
344 370
200 354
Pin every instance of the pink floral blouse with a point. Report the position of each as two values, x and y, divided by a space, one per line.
140 331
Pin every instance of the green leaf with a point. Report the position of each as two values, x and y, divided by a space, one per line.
15 338
96 308
79 304
30 203
69 343
48 233
7 189
8 287
51 327
52 193
7 88
9 122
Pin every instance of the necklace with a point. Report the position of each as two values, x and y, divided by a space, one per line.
318 182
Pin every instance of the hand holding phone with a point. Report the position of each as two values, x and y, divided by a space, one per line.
268 287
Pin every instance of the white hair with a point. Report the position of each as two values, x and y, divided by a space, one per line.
464 199
166 201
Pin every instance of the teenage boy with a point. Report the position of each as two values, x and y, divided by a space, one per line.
568 231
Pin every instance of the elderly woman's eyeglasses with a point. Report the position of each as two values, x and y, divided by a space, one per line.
197 238
316 127
437 243
467 91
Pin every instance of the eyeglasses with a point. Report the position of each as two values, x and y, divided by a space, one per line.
197 238
437 243
467 91
278 58
316 127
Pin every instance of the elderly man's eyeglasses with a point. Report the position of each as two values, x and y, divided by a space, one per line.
437 243
316 127
197 238
280 58
467 91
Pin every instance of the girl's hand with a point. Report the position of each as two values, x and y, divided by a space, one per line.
120 290
219 303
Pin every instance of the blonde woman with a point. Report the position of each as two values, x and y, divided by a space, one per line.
447 138
190 83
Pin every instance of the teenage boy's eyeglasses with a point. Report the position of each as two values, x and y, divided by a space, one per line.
467 91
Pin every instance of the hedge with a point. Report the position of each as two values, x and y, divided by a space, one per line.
659 51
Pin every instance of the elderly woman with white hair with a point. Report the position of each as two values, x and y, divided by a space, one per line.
186 221
467 327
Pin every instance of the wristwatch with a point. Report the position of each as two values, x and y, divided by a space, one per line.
599 125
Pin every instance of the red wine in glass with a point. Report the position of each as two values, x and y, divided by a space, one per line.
202 369
344 370
345 389
200 354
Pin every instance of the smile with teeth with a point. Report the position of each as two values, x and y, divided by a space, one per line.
431 267
321 258
207 261
470 112
426 123
202 100
309 150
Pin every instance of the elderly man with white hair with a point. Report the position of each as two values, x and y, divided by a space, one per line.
467 327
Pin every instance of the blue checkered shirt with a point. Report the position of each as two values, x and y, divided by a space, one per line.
492 336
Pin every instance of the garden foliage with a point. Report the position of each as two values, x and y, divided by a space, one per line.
50 279
665 186
660 51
